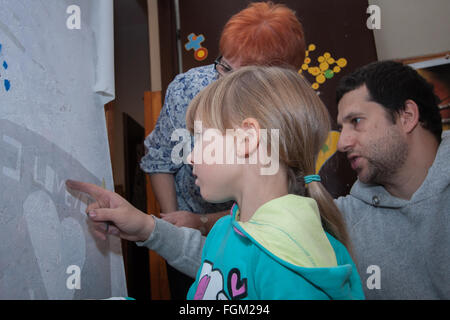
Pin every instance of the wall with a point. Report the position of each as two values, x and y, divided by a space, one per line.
412 28
132 72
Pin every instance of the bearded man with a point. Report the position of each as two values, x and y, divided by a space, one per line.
398 211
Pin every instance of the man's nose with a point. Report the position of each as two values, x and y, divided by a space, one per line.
346 141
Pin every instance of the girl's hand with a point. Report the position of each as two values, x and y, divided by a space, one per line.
112 214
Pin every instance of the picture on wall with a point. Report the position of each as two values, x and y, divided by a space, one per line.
437 72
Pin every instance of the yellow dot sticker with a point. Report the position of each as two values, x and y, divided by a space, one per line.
324 66
341 62
314 71
320 78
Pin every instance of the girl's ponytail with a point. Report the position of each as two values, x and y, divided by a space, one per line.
331 217
332 220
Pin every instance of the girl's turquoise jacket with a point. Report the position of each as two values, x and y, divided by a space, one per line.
282 252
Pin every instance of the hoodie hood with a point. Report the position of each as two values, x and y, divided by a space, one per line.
289 230
437 179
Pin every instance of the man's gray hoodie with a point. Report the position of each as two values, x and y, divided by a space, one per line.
404 242
401 247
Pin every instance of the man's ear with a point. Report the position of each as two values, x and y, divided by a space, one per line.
409 117
248 136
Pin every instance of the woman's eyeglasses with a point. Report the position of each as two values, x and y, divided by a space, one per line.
222 67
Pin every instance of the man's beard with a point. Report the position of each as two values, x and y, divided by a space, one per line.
384 157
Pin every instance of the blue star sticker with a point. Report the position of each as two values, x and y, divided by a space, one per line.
194 42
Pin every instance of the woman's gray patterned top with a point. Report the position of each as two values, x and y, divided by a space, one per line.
158 157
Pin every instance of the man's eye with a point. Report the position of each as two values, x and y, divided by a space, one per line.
355 121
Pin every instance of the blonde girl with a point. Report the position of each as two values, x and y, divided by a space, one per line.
284 237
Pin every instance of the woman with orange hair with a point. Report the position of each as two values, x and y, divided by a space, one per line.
262 34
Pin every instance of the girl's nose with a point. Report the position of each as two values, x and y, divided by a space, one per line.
190 158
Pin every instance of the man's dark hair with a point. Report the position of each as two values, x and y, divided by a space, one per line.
392 83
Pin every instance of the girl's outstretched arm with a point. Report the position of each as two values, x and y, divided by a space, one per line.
181 247
112 214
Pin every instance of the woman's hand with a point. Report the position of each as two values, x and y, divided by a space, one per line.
183 219
202 222
112 214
